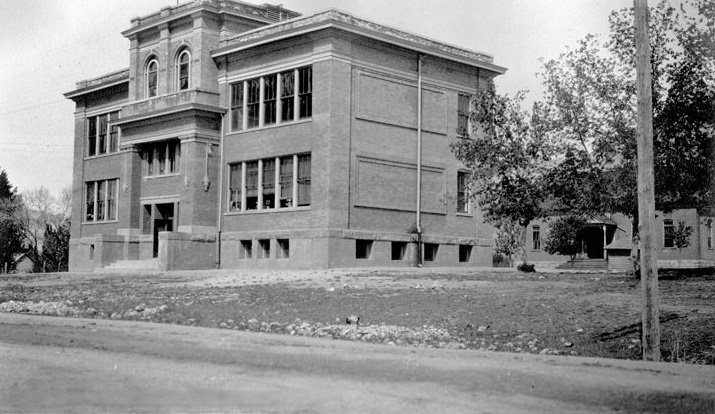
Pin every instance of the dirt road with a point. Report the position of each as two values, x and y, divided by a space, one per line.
82 365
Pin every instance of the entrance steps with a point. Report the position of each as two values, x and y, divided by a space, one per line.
585 264
132 265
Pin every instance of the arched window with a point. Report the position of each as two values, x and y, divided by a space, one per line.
183 70
151 75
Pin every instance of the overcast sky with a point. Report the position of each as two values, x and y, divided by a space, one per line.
48 45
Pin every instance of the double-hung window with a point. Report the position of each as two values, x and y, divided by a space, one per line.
101 138
463 115
101 200
272 99
710 233
668 233
462 192
162 158
183 70
536 237
270 183
151 78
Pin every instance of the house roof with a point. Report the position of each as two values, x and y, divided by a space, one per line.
620 244
341 20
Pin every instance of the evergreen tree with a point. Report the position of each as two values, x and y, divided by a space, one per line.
10 234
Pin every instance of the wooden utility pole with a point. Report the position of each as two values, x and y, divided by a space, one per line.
646 186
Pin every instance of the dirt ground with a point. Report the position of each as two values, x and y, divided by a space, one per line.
79 365
545 313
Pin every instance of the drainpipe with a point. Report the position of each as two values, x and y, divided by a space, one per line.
418 218
219 219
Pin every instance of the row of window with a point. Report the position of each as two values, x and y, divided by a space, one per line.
101 200
263 251
183 73
398 250
271 99
100 138
270 183
668 235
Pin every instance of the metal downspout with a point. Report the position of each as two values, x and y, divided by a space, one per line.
219 218
418 219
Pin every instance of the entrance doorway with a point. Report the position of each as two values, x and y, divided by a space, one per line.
158 218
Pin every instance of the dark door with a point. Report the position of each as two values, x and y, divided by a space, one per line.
163 221
593 239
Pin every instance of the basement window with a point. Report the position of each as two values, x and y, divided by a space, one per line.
465 253
431 250
363 249
398 250
245 249
283 248
264 249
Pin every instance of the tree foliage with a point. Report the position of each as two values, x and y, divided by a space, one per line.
681 235
10 234
508 240
41 212
564 235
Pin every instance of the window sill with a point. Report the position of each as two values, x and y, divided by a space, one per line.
100 222
154 177
464 214
266 211
94 157
271 126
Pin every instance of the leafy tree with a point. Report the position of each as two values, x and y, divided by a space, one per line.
564 236
508 240
55 251
10 235
42 212
681 235
505 158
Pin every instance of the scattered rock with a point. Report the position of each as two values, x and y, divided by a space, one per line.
482 328
568 344
352 320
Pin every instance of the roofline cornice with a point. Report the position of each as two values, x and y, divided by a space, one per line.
349 23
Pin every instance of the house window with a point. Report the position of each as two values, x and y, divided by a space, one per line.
253 104
271 99
270 89
252 185
101 200
287 96
430 250
163 158
462 194
286 182
536 237
102 139
235 186
283 248
363 249
304 180
237 106
398 250
668 231
465 253
151 74
269 184
710 234
183 70
463 115
305 92
280 182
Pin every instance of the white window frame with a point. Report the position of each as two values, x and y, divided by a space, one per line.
95 202
672 225
111 116
147 74
260 206
460 113
278 100
153 150
184 52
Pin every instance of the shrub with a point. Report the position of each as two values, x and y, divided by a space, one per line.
526 268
